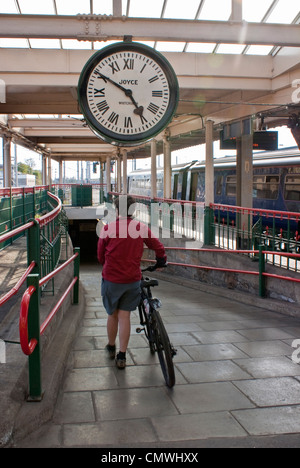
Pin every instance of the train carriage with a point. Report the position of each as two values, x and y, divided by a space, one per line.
276 181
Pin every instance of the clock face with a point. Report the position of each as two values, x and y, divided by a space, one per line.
128 93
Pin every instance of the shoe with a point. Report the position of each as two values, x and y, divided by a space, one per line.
121 360
111 350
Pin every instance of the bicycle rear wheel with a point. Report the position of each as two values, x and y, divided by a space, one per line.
163 348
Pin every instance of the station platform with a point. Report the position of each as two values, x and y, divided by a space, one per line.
236 383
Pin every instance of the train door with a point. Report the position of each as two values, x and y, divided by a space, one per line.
179 186
194 183
175 187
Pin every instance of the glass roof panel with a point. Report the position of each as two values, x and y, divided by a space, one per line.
200 47
144 9
100 44
124 7
72 7
255 10
14 43
102 7
9 6
218 10
178 10
170 46
73 44
230 48
285 12
46 7
44 43
259 50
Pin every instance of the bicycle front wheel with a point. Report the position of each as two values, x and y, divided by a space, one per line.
163 348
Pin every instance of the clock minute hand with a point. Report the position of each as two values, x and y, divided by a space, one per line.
106 78
128 92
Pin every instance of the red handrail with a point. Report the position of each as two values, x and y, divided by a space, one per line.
47 218
256 211
228 270
18 285
14 232
27 347
53 273
58 305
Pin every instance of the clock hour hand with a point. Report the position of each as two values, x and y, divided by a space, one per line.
128 92
138 109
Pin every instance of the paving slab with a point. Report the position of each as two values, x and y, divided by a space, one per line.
236 383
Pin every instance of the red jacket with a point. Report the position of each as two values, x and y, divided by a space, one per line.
120 249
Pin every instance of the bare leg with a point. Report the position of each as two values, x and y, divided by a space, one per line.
112 327
124 329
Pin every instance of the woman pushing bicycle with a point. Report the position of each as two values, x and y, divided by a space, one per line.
120 249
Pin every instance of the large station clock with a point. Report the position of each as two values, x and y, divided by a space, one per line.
128 93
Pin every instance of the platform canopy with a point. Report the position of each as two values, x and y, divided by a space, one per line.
233 59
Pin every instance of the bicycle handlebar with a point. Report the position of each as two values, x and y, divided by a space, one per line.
154 267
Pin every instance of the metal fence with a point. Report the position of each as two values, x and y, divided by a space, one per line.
18 206
233 227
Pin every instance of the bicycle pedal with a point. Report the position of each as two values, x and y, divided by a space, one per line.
139 330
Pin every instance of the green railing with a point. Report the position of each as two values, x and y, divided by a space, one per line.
231 227
44 234
30 328
18 206
80 195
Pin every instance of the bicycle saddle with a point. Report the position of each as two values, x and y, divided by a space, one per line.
148 283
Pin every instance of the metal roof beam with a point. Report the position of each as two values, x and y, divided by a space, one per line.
103 28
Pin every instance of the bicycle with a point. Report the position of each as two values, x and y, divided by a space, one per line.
154 328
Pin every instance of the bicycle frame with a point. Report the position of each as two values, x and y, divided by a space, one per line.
155 331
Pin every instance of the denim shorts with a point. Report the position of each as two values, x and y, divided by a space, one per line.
120 296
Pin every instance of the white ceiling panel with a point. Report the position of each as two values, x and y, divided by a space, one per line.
181 10
45 7
8 6
285 12
148 9
72 7
218 10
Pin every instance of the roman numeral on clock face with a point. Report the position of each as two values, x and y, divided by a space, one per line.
113 118
99 92
102 107
114 66
157 94
153 108
128 64
128 122
154 78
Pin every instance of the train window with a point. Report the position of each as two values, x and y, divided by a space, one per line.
219 185
231 186
266 187
292 187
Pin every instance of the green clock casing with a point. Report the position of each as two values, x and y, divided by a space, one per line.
128 93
